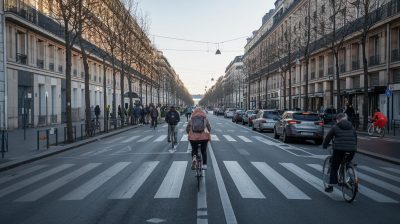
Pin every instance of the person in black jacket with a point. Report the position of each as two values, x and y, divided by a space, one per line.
172 118
344 138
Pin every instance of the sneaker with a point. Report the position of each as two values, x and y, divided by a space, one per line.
329 189
194 161
204 167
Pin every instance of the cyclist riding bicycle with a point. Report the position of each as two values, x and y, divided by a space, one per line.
379 119
199 129
344 138
172 118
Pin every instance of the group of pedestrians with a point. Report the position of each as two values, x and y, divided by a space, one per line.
146 115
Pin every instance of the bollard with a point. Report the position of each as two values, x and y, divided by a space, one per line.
56 133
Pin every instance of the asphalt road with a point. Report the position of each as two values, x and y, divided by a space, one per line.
135 177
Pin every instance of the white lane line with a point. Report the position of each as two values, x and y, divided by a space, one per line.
161 138
376 196
184 138
282 184
391 169
172 183
226 203
47 189
202 202
312 180
214 138
13 176
229 138
145 139
247 188
114 140
244 138
96 182
264 140
130 139
34 179
134 181
380 173
379 183
95 153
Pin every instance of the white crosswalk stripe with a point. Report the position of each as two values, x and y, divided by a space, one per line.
214 138
282 184
161 138
184 138
247 188
114 140
380 183
364 190
229 138
391 170
134 182
312 180
172 183
34 179
380 173
130 139
21 173
244 138
43 191
90 186
145 139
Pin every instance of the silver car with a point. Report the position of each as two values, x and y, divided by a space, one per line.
265 120
229 112
300 125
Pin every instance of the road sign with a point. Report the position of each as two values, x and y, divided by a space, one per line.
391 87
389 93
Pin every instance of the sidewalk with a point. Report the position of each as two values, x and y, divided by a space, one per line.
386 148
22 151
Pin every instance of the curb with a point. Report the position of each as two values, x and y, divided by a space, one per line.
19 162
378 156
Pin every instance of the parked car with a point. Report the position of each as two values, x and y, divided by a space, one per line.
229 112
265 120
252 117
300 125
246 115
329 115
238 116
218 111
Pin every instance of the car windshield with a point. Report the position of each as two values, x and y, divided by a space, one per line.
305 117
270 114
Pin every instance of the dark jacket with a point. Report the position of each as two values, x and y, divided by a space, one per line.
97 110
344 137
169 120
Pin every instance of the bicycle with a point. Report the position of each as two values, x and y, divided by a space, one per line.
346 176
199 168
372 129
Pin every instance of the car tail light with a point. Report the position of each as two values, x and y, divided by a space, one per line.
320 123
293 122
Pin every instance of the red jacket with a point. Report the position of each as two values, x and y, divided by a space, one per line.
205 135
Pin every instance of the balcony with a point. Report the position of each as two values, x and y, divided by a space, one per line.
355 65
51 67
342 68
22 58
60 69
330 71
395 55
40 63
374 60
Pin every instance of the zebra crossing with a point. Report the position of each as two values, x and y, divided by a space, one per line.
292 181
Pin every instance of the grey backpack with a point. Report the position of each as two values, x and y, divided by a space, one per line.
198 124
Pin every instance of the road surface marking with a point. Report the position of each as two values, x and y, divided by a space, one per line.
13 176
130 139
363 138
145 139
229 138
264 140
377 182
114 140
380 173
243 152
247 188
165 125
134 181
47 189
202 202
312 180
184 138
161 138
282 184
376 196
244 138
172 183
214 138
226 203
391 169
96 182
95 153
34 179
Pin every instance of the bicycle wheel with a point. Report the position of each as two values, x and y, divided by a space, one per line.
371 129
381 133
350 183
326 171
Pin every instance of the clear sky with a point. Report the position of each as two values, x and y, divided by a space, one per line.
203 20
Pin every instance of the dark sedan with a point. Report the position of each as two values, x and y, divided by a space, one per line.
238 116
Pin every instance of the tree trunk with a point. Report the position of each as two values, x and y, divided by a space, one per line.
306 106
284 91
130 97
365 69
338 102
68 64
122 85
290 82
106 112
88 114
114 103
